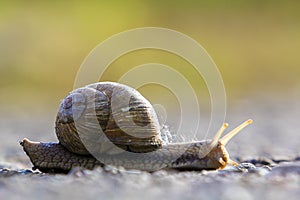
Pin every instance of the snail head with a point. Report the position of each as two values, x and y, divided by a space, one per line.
218 155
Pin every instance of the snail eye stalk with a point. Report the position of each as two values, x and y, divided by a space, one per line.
217 136
225 139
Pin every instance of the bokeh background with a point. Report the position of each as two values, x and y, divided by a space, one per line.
255 45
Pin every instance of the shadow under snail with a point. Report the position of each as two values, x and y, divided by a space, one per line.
119 127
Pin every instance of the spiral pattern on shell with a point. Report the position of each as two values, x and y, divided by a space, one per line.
125 117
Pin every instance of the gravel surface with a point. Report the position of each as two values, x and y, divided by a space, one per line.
268 152
243 182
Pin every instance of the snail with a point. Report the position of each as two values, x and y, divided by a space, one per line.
108 123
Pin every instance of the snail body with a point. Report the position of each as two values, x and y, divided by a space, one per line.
109 123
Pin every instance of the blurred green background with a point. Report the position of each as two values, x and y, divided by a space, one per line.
254 43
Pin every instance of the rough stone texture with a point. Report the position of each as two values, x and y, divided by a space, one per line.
243 182
271 143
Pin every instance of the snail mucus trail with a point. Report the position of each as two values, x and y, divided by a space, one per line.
144 153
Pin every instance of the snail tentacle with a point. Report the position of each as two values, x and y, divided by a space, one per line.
225 139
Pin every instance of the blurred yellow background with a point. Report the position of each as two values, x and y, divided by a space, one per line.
255 43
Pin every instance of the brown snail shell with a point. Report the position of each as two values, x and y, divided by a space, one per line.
131 124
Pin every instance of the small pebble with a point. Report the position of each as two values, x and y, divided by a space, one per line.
111 169
246 167
160 173
77 172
